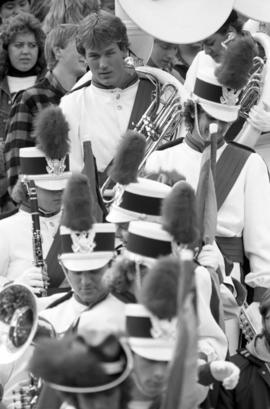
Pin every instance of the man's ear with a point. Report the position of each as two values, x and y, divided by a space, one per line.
57 52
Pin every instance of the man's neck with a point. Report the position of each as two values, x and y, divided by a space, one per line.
65 78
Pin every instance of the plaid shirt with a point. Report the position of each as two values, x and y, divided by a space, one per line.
47 91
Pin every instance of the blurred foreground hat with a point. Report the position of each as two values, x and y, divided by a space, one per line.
178 21
85 245
256 10
78 365
149 336
48 162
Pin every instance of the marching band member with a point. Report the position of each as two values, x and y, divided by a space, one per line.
83 260
47 165
253 389
101 110
243 221
151 354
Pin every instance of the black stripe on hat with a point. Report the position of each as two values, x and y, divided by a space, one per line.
37 165
148 247
141 204
138 327
104 241
208 91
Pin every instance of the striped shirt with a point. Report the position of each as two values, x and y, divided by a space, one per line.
19 131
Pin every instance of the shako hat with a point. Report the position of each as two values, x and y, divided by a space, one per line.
217 100
85 245
148 336
147 241
76 364
48 162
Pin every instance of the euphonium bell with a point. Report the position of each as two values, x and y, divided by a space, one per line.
19 322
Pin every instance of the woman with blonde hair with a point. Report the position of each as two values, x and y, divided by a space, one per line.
68 11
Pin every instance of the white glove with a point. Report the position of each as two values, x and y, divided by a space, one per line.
33 277
226 372
259 117
208 256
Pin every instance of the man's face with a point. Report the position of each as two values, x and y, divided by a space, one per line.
163 54
204 122
88 286
122 233
213 46
10 8
71 60
150 375
107 65
49 200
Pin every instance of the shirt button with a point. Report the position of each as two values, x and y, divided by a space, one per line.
263 372
119 107
9 102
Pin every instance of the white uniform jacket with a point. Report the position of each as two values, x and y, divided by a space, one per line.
245 211
16 248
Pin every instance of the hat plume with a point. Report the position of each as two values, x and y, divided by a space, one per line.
179 213
77 204
127 160
237 60
51 132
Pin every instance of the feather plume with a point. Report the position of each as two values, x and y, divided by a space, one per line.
234 70
77 204
127 160
160 287
67 362
179 213
50 130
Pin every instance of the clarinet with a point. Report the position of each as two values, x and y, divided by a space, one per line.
36 234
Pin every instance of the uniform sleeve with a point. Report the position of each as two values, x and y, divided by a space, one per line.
212 339
257 222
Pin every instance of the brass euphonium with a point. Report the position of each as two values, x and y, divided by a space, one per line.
20 327
252 91
159 124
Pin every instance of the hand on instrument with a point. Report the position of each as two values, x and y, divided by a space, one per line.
34 278
208 256
226 372
259 117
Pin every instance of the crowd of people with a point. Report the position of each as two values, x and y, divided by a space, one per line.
147 262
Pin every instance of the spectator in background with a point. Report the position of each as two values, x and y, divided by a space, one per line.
22 64
65 65
68 11
10 8
40 8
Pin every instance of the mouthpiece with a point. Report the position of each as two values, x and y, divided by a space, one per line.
213 128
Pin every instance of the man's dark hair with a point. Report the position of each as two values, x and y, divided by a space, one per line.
100 30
